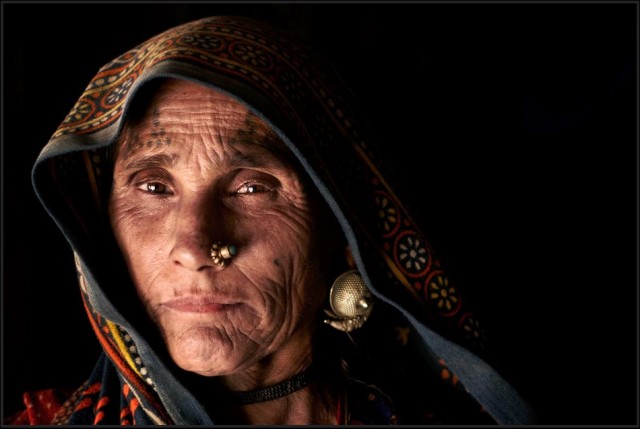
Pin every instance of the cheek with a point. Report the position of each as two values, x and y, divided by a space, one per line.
139 236
286 233
294 248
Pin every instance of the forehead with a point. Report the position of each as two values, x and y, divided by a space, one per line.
170 107
189 105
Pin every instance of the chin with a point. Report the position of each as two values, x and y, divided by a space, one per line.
204 352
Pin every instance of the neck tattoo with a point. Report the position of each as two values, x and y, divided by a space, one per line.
275 391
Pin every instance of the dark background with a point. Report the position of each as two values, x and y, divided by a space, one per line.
513 124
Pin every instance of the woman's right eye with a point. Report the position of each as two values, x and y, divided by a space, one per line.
153 188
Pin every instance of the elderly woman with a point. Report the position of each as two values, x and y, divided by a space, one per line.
242 256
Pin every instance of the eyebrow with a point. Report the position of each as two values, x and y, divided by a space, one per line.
169 160
152 161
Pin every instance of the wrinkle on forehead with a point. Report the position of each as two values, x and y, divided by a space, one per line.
214 114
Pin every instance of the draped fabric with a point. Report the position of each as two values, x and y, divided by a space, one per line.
423 329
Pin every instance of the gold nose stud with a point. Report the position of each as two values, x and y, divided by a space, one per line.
221 255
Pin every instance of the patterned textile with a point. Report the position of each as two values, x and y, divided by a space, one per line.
427 323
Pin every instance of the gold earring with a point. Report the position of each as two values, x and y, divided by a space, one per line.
222 254
351 302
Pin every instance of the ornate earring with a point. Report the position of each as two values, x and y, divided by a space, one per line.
222 254
351 302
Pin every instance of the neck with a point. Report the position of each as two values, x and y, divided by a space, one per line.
303 407
273 391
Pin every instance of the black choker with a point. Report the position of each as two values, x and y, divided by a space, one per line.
272 392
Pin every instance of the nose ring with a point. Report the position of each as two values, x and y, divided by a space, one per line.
222 254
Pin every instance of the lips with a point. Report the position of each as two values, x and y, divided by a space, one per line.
200 304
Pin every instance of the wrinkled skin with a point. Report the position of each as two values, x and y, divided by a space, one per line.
199 168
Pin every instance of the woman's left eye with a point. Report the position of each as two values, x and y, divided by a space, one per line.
252 188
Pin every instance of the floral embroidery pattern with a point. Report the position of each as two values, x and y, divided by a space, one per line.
82 110
387 214
119 92
251 55
412 254
204 41
472 330
442 294
291 85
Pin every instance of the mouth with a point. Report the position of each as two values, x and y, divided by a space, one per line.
200 304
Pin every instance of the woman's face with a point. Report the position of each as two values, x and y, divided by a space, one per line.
200 168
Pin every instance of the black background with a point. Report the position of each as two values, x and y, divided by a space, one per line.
513 124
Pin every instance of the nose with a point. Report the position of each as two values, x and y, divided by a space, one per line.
197 225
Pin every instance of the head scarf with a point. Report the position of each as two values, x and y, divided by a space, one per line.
424 331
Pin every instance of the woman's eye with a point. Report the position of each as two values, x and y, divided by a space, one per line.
153 188
252 188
